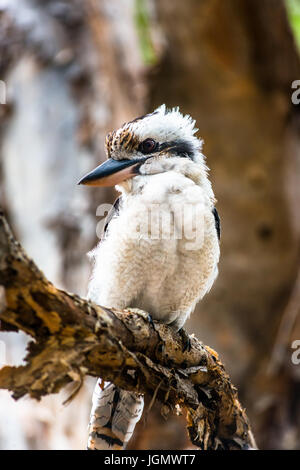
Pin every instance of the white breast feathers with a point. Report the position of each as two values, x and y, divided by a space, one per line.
161 252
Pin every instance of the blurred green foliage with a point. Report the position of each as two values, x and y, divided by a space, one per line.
293 12
143 26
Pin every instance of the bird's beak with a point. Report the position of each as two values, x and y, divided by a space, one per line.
112 172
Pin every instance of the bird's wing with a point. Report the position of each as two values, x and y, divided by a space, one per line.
217 222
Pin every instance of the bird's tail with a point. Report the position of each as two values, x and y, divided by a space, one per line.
114 415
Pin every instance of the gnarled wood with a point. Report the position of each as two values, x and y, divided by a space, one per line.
74 337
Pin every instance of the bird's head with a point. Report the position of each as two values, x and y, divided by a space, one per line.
155 143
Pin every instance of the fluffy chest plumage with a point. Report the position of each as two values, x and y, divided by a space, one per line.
161 252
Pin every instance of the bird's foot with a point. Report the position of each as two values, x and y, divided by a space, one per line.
186 342
143 314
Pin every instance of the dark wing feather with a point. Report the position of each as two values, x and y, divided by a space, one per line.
114 212
217 222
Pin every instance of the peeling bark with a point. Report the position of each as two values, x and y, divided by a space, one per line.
74 337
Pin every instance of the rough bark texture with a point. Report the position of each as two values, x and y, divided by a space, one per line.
74 337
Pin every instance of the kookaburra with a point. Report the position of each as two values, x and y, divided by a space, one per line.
160 249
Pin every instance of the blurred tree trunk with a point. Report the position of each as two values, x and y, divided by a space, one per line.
72 75
75 70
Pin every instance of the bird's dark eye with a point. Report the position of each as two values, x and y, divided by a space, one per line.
147 146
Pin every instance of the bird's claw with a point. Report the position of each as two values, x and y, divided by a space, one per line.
186 342
146 316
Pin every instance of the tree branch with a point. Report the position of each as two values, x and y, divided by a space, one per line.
74 337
